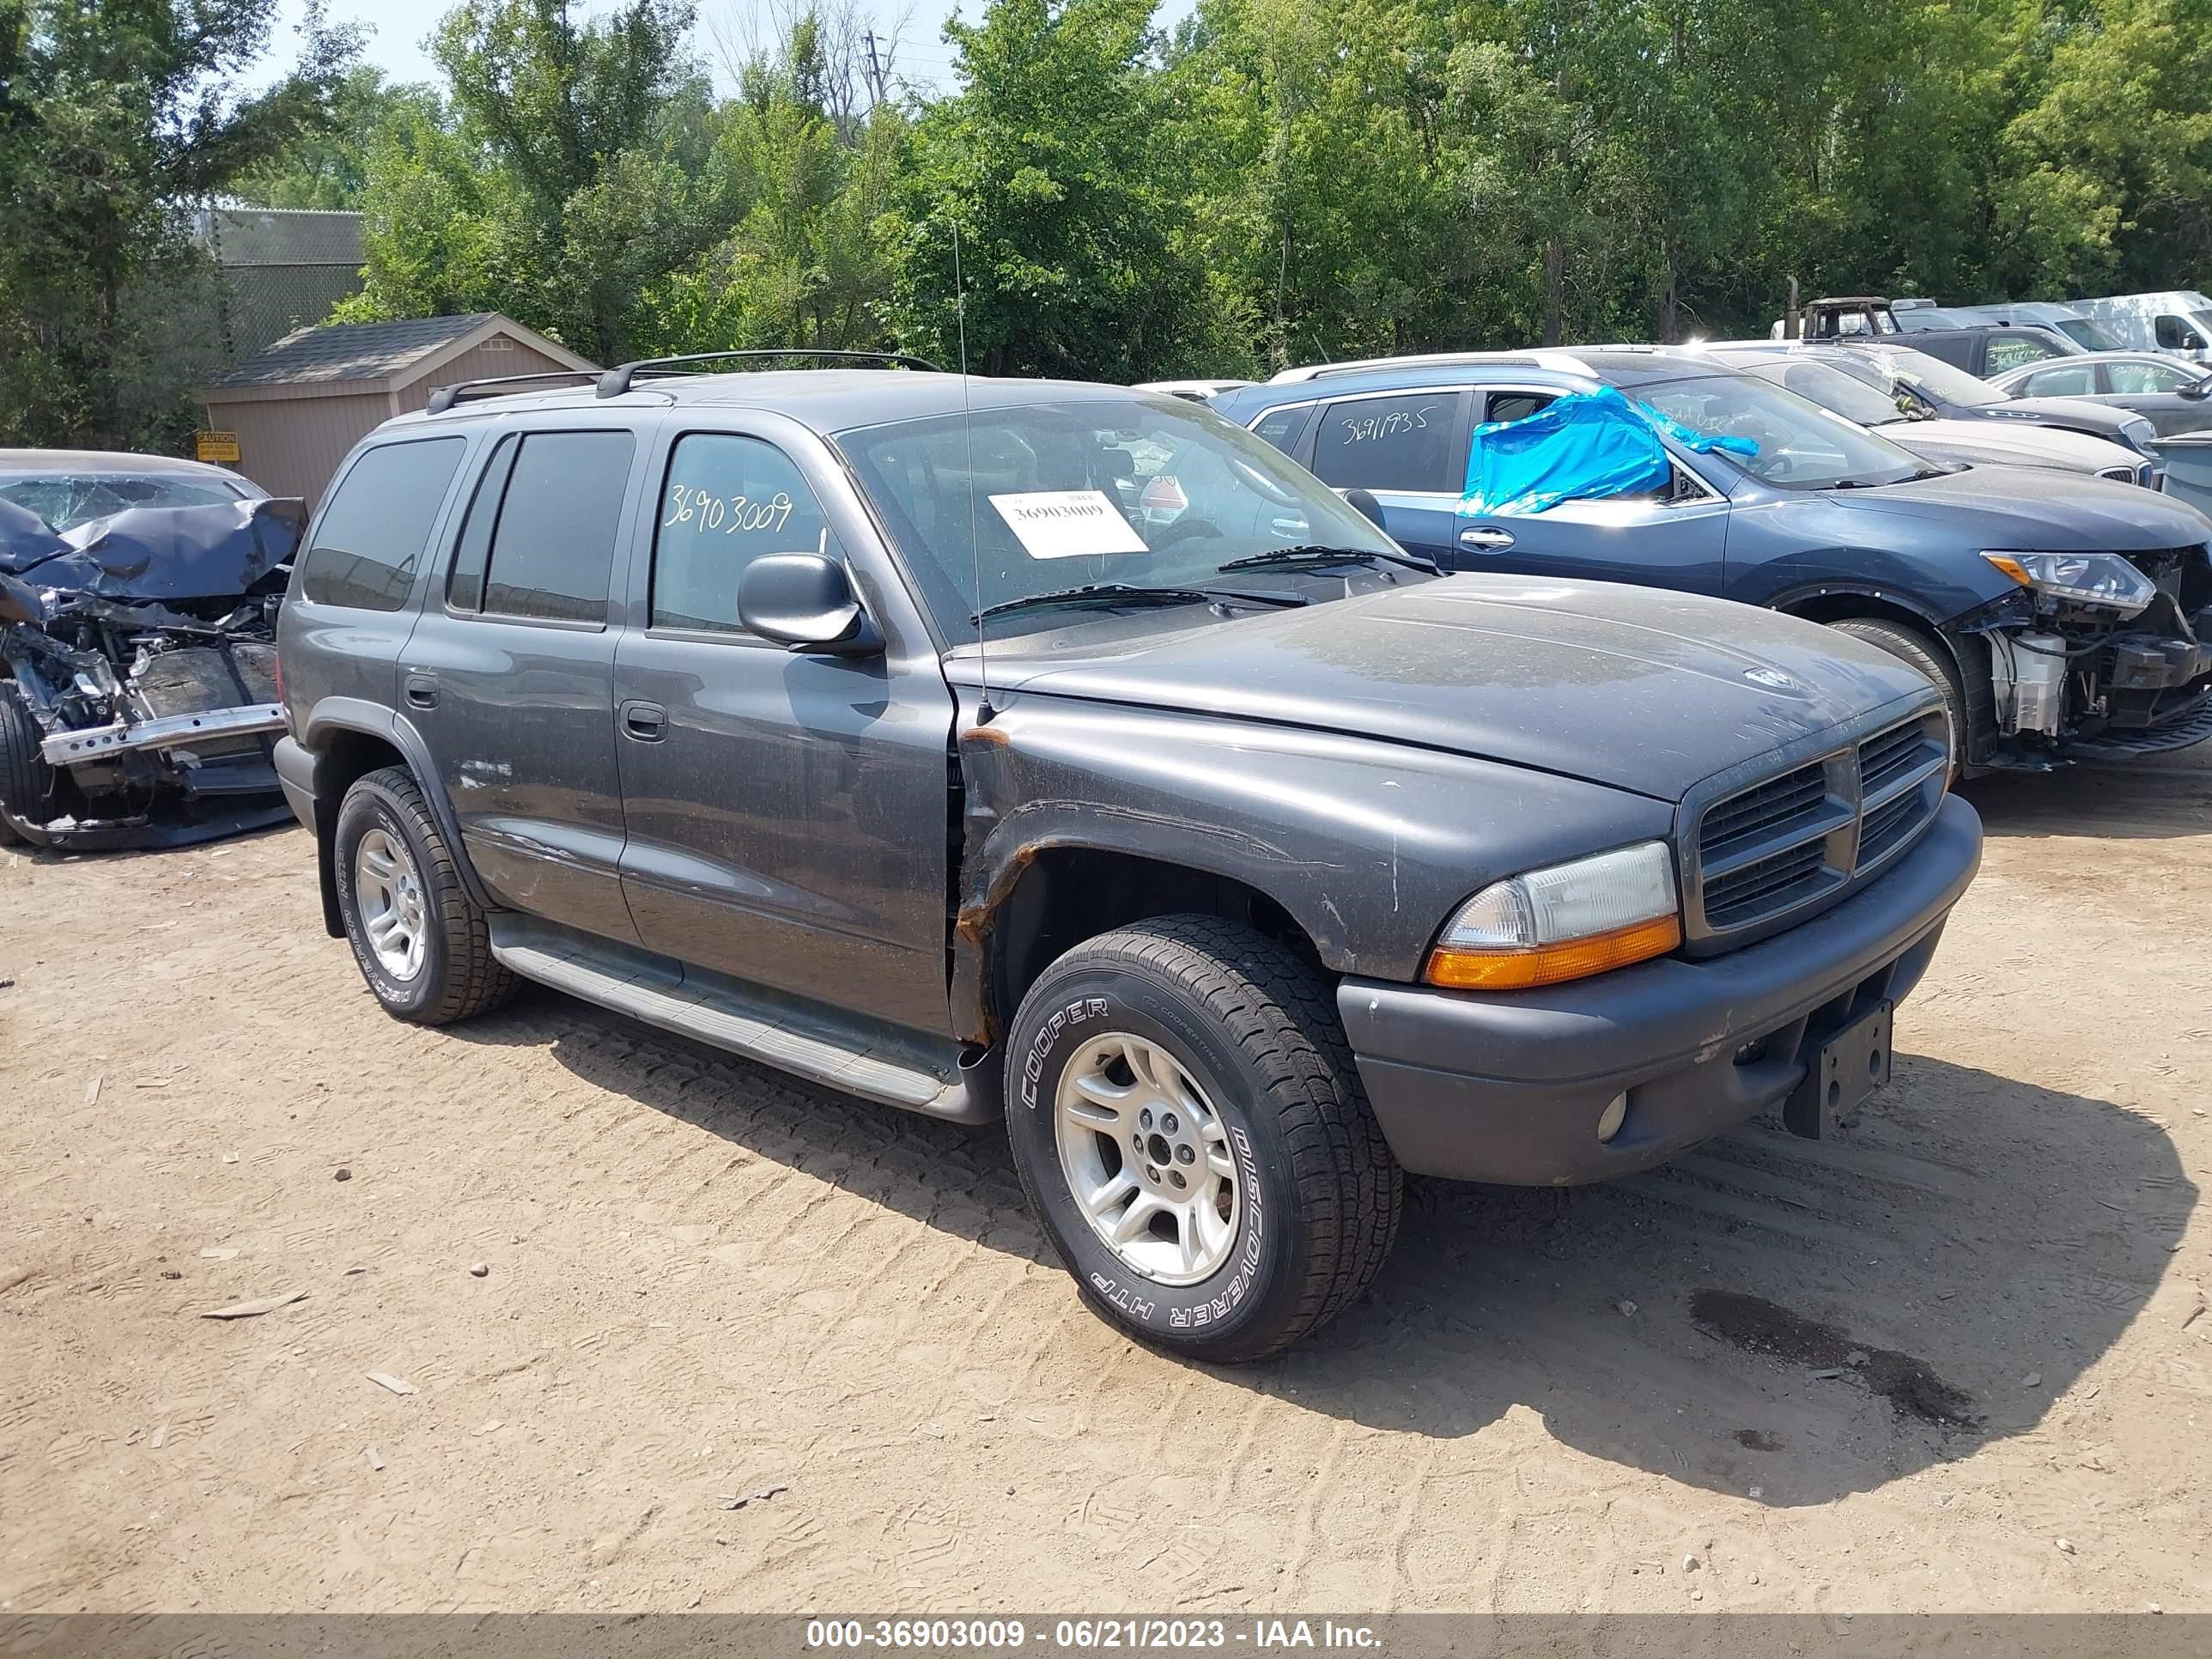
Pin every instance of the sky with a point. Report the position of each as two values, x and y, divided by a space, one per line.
400 27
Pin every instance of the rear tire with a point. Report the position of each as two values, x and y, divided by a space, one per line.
1909 645
27 782
1190 1078
418 939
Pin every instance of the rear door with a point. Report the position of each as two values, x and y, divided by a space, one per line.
1407 448
788 815
1676 539
510 673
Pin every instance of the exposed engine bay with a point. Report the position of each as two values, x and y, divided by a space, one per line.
139 707
2103 657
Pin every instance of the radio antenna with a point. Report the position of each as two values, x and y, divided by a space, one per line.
984 713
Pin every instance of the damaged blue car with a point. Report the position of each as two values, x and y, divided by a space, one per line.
138 693
2062 617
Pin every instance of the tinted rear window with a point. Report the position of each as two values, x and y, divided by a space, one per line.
555 544
371 537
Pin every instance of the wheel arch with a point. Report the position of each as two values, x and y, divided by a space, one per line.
1829 604
350 739
1047 896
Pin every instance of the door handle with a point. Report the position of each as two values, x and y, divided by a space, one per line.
1486 540
647 722
422 691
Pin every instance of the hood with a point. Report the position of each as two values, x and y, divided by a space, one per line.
1629 687
2022 443
2076 412
2034 509
222 551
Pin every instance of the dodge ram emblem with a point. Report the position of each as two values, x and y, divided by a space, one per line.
1772 677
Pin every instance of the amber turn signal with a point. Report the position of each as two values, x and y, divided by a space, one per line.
1460 968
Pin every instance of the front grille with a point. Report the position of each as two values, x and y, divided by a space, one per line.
1773 884
1784 844
1771 809
2125 475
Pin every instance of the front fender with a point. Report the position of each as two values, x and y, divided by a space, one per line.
1367 845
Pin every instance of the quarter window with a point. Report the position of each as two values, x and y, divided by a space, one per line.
728 500
374 530
554 544
1283 427
1399 443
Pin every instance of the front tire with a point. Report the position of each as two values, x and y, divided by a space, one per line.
1189 1126
419 940
1909 645
27 782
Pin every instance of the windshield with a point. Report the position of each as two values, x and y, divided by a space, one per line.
2089 335
65 502
1801 445
1825 384
1125 490
1888 372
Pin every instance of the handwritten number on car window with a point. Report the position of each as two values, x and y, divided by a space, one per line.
733 515
1374 427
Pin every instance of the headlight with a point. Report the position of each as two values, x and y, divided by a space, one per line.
2102 579
1565 922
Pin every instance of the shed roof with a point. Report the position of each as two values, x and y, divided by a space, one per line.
351 351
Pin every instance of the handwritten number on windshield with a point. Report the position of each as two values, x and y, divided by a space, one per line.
732 514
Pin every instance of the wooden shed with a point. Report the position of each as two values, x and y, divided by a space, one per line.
299 405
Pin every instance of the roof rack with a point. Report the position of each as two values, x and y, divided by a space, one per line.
617 380
464 392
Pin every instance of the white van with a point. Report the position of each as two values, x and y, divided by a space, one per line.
2179 322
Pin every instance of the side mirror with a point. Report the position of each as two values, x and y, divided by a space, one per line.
805 602
2196 390
1363 503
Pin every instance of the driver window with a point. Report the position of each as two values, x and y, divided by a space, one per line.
2175 335
727 501
2135 379
2011 354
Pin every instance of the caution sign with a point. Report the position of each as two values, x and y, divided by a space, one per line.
216 445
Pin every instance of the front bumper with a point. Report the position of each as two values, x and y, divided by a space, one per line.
1509 1088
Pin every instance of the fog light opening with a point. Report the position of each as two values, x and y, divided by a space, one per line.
1610 1120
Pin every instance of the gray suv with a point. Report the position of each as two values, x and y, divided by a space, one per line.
1064 754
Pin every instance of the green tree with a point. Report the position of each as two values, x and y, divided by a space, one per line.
561 186
1053 161
116 120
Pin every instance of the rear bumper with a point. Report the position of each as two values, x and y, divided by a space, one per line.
1509 1089
296 775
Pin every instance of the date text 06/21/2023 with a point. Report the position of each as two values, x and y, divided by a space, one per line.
1087 1634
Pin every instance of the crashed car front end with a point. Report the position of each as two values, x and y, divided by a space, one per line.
2098 656
139 653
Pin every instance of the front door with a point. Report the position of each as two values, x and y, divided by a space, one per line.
510 674
788 816
1675 539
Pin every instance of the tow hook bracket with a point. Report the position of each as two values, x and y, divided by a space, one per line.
1842 1068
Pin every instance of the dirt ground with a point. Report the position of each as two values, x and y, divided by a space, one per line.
1953 1364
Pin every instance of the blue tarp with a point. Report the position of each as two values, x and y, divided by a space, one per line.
1581 447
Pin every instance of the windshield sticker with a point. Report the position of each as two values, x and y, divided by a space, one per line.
1068 524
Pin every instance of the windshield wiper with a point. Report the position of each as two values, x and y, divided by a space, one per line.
1921 476
1133 593
1316 553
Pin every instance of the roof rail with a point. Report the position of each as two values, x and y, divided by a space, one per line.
617 380
466 391
1413 360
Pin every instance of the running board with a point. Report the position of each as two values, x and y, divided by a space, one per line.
772 1036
